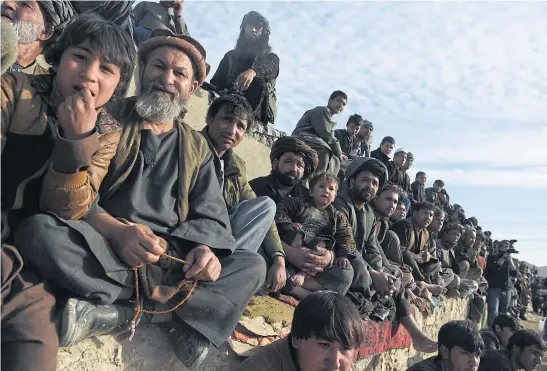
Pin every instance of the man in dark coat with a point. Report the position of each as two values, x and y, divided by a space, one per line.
382 153
252 68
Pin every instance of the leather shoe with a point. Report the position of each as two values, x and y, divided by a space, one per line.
82 319
190 347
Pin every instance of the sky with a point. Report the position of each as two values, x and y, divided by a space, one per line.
462 85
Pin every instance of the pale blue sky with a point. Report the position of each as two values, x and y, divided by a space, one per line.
461 85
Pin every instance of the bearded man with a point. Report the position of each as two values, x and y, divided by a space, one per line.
252 68
37 24
161 196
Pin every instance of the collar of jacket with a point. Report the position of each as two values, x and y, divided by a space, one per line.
230 166
297 191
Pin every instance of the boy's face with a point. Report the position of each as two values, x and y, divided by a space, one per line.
337 105
386 203
353 128
226 130
504 334
386 148
324 193
80 68
529 358
437 223
422 179
365 131
317 354
399 213
462 360
399 159
423 218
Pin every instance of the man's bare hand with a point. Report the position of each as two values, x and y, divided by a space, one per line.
136 245
202 264
382 282
276 276
244 80
77 114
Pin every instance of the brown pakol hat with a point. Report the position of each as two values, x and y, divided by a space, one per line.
189 45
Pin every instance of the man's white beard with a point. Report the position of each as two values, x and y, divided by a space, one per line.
155 105
27 32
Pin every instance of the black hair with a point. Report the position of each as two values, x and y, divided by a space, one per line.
338 93
328 316
388 140
439 183
357 119
423 205
323 176
491 341
254 18
437 211
375 167
104 36
419 172
524 338
505 320
461 334
391 188
236 105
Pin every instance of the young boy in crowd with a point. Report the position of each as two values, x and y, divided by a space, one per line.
54 129
314 222
385 149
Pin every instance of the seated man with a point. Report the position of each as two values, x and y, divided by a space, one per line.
450 269
497 337
460 349
326 334
312 222
372 280
161 198
38 25
382 153
467 256
55 159
316 129
523 352
418 187
349 144
292 162
432 194
229 118
252 68
416 248
363 139
150 16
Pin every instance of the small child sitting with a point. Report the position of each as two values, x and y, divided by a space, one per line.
314 223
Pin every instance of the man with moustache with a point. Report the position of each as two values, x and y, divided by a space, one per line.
252 68
38 24
416 248
450 269
161 196
372 270
316 128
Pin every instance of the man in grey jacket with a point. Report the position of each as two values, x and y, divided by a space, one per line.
165 15
316 128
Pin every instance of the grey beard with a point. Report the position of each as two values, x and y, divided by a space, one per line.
27 32
159 106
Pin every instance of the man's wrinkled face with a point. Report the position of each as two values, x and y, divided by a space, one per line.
27 19
80 68
289 169
399 159
337 105
423 218
253 32
399 213
320 355
226 130
462 360
451 238
386 203
353 128
422 179
469 238
437 223
530 357
365 131
166 83
364 186
386 148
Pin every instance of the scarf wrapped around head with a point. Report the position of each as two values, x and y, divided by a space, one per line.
292 144
59 12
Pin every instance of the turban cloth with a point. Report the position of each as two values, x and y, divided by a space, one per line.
59 12
292 144
118 12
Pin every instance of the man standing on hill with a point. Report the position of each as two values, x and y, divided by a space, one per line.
316 128
150 16
252 68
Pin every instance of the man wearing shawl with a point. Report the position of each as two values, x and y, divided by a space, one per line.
38 24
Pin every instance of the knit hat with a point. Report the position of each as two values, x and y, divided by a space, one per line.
189 45
295 145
